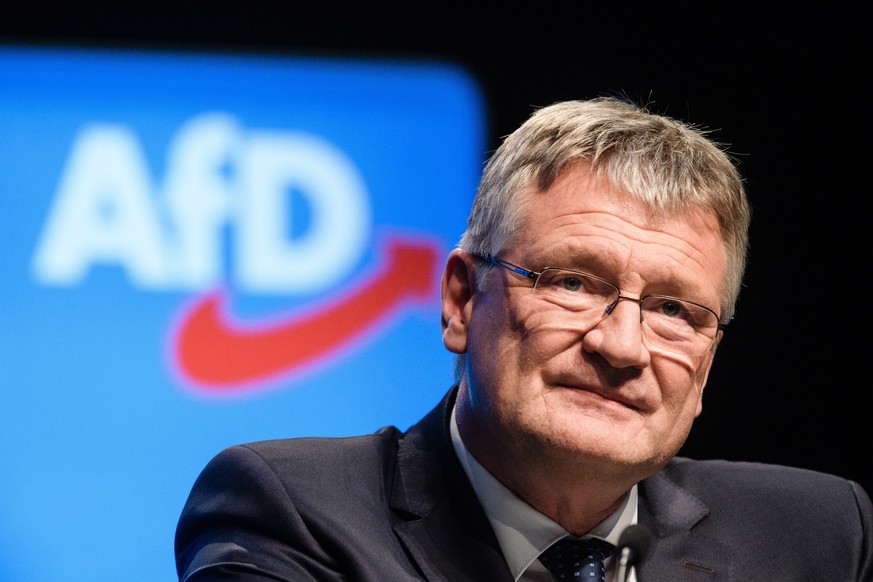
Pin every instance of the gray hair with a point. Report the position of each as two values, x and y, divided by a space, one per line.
671 166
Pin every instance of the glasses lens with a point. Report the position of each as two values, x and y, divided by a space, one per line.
678 326
578 292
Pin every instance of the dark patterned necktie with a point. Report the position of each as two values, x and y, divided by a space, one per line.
577 560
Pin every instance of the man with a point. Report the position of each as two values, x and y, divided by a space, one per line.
601 261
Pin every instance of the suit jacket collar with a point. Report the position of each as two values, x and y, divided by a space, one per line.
439 518
677 551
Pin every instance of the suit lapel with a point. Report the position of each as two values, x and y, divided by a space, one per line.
438 517
677 552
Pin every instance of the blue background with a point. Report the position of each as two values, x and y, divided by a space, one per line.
101 439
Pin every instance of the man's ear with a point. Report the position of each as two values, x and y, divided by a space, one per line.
457 300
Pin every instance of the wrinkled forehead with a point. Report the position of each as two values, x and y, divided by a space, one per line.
580 211
579 190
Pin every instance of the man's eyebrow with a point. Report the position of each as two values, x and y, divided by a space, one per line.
582 260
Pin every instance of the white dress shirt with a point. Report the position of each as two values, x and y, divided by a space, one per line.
523 532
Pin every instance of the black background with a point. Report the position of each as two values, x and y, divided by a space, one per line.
784 88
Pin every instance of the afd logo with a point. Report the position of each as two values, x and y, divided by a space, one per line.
292 209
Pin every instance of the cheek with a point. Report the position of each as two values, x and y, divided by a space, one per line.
544 330
681 382
510 342
501 327
490 339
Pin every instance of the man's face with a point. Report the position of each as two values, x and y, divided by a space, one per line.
542 388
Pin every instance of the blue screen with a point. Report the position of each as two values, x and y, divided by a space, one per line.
205 249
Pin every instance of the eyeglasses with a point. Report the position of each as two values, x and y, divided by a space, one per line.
672 324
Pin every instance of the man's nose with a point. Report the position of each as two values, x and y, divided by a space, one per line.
618 337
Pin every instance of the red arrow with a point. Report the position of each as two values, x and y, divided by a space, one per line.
219 354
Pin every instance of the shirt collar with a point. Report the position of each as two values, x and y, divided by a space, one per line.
523 532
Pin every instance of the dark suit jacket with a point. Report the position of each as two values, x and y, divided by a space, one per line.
390 507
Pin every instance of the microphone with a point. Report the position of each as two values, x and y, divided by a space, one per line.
632 546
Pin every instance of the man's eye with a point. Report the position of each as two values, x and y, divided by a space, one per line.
672 309
571 284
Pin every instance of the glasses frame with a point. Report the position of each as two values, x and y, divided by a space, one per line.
535 275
